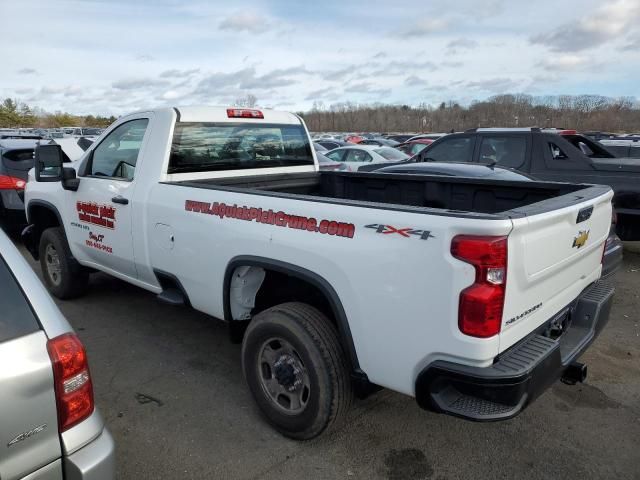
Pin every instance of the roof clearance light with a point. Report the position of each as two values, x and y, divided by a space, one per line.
244 113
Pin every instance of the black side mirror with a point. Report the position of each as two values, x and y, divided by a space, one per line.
69 180
48 163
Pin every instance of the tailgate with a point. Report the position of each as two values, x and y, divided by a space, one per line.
553 256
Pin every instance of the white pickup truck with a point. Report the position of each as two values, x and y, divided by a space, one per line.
471 295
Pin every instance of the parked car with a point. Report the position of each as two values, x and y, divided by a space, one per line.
550 156
325 163
400 138
612 259
331 144
623 147
49 424
319 148
353 138
381 142
16 159
357 156
413 147
466 308
430 136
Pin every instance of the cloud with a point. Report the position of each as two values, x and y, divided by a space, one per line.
494 85
565 63
366 88
632 45
245 21
450 64
174 73
27 71
413 80
462 43
138 83
606 23
380 55
425 27
402 67
321 93
144 57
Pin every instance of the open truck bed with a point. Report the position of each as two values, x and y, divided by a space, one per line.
433 194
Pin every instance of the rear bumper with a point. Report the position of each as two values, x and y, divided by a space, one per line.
94 461
612 256
521 373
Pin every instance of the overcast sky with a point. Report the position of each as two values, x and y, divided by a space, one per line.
114 56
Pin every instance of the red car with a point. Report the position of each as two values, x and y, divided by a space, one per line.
414 147
354 139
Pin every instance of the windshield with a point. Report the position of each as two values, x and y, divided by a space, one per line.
199 147
391 153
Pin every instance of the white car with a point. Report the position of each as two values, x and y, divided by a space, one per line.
472 295
356 156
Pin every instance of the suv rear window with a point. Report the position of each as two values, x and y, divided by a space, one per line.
16 318
200 147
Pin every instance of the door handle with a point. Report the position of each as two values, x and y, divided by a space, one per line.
120 199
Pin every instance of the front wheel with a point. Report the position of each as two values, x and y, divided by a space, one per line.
64 277
296 370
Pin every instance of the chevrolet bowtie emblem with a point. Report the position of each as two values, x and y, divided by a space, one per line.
581 239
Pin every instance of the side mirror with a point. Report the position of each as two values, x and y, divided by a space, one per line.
48 163
69 180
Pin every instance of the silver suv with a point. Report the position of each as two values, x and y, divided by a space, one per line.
49 426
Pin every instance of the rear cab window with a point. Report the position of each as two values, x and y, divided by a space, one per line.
505 150
453 149
201 147
17 319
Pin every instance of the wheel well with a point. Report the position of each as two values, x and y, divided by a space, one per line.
254 284
278 287
42 217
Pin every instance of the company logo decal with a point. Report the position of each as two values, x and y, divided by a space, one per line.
403 232
269 217
581 239
101 215
95 241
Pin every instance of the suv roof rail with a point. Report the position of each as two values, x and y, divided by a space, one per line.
507 129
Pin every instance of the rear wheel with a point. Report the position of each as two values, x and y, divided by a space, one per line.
296 370
63 275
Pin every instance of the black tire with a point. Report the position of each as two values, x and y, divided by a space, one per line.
315 343
70 279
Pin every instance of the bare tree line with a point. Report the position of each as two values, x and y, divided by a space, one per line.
581 112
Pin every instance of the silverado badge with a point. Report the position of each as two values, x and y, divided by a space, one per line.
581 239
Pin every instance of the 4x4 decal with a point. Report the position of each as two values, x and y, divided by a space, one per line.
406 232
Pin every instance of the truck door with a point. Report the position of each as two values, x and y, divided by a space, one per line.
100 211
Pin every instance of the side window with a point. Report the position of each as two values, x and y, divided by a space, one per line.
117 154
336 156
556 152
506 151
357 156
452 150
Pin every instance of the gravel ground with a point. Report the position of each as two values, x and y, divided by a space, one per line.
170 387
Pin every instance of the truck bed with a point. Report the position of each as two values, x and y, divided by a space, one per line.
431 193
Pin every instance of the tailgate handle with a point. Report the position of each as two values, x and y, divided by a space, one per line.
584 214
120 199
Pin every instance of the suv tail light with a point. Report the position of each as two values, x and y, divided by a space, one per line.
481 304
74 391
11 183
244 113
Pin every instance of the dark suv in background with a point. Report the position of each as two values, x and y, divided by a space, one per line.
16 159
552 155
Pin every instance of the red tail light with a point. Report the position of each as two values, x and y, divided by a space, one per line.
244 113
11 183
481 304
74 391
567 132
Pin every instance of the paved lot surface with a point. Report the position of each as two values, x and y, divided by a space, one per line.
170 387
